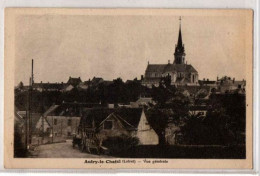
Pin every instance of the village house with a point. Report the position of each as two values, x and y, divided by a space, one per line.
74 81
60 122
108 122
48 86
228 85
207 82
142 101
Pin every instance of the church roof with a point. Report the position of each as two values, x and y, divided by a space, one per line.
170 68
155 67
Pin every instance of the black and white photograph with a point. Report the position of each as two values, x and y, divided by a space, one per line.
130 84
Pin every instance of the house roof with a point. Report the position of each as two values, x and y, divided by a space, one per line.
74 81
151 79
129 116
34 116
57 86
69 109
63 110
144 100
202 82
106 83
193 89
96 80
18 118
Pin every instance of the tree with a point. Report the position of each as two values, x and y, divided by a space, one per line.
171 105
158 120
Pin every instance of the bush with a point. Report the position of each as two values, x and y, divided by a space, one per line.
120 144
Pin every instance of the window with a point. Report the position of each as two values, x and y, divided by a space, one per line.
108 125
55 121
69 122
201 113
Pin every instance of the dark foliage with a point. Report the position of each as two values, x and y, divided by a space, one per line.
158 120
223 125
19 145
171 106
116 92
188 151
120 144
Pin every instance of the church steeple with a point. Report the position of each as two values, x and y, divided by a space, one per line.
179 53
179 45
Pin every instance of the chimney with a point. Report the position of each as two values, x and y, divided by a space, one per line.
148 62
207 79
233 80
203 79
217 78
142 77
169 61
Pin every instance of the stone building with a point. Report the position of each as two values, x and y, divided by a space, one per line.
60 122
179 71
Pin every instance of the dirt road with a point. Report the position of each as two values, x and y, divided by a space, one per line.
61 150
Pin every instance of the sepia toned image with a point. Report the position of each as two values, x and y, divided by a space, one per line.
128 88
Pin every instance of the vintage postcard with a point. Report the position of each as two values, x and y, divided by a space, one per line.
128 88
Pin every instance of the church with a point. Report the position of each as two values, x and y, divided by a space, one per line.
179 71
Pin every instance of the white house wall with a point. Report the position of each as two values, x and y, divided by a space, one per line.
145 134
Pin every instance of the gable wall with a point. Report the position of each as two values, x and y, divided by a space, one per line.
145 134
117 130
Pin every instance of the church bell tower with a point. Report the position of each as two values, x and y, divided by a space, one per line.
179 54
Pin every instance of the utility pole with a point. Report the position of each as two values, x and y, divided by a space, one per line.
30 106
52 130
42 117
29 113
27 118
61 128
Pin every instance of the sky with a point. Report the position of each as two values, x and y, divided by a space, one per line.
121 46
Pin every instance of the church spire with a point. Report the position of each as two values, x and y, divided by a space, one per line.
180 37
179 49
